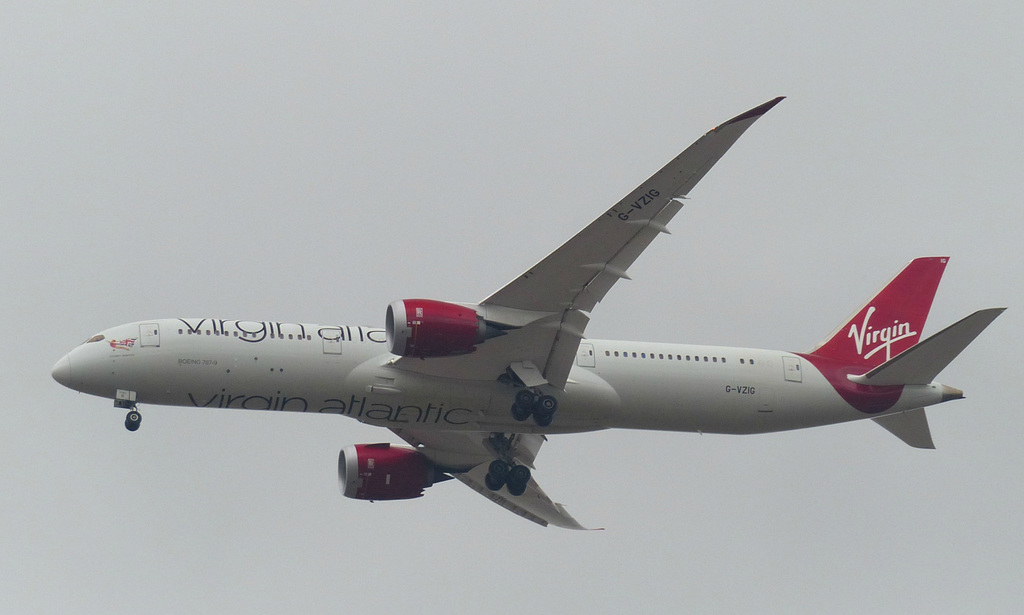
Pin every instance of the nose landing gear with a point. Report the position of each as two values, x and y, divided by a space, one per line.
126 399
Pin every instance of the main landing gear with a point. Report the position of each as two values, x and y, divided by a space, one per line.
501 474
530 402
504 471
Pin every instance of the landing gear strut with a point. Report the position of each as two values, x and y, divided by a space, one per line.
530 402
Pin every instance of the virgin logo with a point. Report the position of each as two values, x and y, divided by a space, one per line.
869 340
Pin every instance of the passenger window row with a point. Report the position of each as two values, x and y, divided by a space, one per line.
672 357
244 334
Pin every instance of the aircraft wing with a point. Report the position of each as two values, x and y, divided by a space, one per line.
545 308
579 273
466 456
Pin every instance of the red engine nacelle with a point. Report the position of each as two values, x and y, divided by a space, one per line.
424 328
384 472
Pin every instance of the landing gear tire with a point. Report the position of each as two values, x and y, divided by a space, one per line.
546 405
516 490
491 483
497 475
530 402
518 479
499 469
133 420
543 420
544 410
501 474
525 398
520 413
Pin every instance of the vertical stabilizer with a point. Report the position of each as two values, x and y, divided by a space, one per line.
892 321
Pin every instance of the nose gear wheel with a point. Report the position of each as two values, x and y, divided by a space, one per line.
133 420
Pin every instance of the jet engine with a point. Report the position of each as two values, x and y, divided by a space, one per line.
385 472
424 328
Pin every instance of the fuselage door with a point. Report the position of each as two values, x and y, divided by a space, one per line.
332 339
585 355
791 369
149 334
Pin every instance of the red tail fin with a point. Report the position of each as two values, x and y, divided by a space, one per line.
892 321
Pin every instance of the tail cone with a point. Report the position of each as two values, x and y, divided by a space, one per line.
949 393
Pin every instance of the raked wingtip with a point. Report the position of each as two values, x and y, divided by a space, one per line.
753 113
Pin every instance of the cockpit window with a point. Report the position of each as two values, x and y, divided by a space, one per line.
95 338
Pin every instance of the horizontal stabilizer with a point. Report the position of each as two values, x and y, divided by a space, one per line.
910 426
921 363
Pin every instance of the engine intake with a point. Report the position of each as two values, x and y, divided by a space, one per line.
384 472
424 328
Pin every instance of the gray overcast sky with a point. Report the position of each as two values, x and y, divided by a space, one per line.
313 162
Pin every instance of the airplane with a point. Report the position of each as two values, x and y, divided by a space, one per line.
475 389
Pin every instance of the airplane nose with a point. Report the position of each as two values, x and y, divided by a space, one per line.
61 371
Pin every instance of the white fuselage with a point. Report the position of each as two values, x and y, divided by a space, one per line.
343 370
